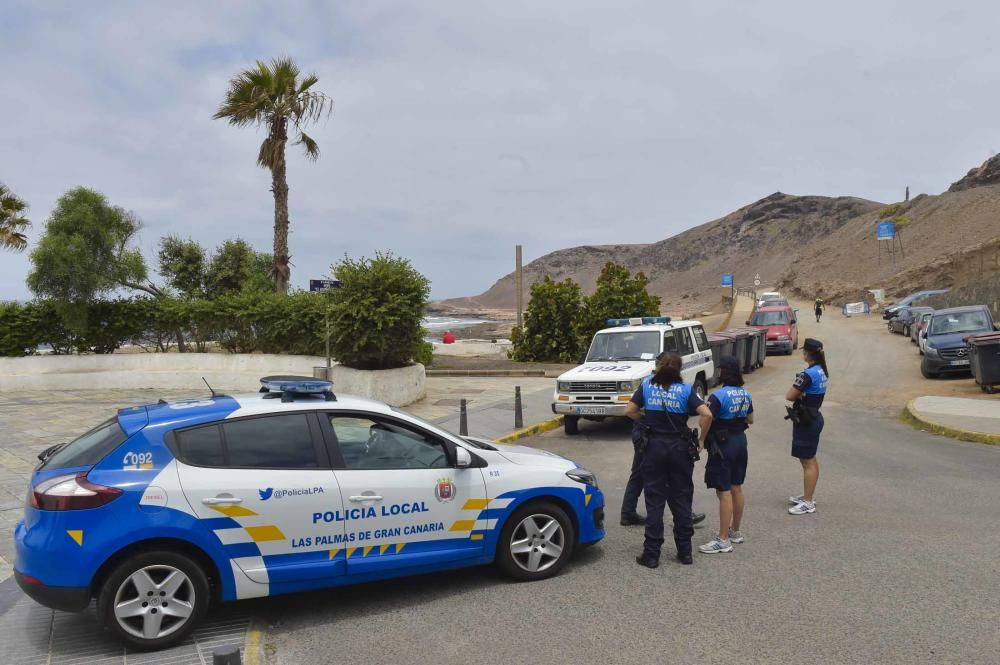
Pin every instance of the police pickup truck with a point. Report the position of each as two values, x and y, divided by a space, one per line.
620 357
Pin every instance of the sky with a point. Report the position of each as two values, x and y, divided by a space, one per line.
460 129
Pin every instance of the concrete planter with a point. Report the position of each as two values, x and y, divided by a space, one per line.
396 387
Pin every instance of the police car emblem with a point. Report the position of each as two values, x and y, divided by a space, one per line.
444 490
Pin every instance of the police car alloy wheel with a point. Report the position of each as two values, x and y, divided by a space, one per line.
154 599
536 542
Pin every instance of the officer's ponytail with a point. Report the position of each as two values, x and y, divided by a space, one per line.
668 370
819 356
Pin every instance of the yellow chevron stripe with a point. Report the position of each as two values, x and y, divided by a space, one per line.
586 499
367 550
383 548
399 547
234 511
261 534
463 525
476 536
76 535
350 551
476 504
334 553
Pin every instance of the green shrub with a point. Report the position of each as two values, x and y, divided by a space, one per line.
425 354
547 335
619 295
376 315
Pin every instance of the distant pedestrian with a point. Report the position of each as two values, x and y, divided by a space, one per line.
806 395
818 308
448 338
664 402
732 409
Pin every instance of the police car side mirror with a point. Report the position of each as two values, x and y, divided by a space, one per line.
463 460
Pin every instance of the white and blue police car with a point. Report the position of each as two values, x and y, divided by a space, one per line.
166 508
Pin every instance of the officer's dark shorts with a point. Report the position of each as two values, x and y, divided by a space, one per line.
730 469
805 438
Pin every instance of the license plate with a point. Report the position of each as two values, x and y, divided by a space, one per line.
963 361
591 410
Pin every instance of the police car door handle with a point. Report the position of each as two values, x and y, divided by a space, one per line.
220 500
365 497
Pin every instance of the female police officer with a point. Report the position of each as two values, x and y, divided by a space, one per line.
732 409
807 394
667 464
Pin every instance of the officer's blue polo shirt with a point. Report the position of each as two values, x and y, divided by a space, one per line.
812 383
667 409
730 407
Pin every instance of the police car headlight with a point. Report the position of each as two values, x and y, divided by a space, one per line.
562 386
626 386
583 476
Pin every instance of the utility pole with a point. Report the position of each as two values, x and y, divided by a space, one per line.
907 193
519 285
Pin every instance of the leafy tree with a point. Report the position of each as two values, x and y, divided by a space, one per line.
182 265
548 334
13 224
272 95
377 315
619 294
85 251
237 267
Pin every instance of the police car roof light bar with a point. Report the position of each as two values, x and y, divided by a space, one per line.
639 321
291 386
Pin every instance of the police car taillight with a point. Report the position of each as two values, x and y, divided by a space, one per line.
72 491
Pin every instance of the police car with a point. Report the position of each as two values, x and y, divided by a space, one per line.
165 508
620 357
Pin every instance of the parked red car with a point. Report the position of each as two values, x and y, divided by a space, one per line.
782 328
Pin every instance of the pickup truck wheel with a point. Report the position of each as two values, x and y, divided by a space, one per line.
571 425
699 388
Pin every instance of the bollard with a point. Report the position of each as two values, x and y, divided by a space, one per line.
518 411
463 420
227 656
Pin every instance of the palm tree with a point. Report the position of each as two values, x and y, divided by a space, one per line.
12 223
271 95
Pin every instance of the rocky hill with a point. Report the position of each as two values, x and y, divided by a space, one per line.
809 244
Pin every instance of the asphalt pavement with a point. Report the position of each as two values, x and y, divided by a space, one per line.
898 565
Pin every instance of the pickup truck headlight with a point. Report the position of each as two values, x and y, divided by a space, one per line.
562 386
626 386
581 475
783 338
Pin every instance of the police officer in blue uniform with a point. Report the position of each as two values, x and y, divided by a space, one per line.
664 402
732 410
633 488
806 394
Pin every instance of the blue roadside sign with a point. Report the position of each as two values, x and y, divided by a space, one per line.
886 230
324 284
727 279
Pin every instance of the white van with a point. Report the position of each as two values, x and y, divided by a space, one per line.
620 357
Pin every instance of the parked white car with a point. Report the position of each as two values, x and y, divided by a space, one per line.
620 357
768 295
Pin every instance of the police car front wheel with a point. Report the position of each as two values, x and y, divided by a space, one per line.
536 542
154 599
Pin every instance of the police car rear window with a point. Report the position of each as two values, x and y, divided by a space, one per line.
90 448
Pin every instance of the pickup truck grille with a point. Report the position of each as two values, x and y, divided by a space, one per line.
593 386
954 354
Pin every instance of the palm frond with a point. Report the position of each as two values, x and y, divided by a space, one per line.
271 151
310 146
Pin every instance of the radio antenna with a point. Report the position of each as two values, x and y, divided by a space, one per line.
209 387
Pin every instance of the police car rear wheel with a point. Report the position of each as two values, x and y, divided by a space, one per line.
154 599
536 542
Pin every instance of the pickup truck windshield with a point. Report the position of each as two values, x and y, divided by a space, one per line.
950 324
770 319
625 345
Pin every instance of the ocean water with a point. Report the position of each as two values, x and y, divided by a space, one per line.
443 323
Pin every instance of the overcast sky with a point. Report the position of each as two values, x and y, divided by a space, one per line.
463 128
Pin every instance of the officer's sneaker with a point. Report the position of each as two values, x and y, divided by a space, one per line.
798 499
715 546
803 508
736 538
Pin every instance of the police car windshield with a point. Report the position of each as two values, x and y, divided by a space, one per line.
770 319
625 345
950 324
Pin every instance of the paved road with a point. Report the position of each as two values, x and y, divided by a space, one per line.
898 565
